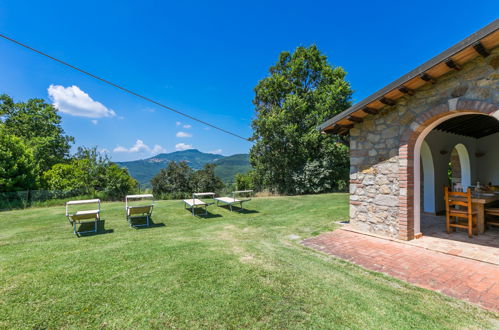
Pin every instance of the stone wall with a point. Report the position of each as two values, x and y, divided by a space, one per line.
375 187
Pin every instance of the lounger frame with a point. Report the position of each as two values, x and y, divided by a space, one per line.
192 203
232 200
138 211
82 217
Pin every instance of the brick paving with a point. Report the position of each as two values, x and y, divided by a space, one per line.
471 280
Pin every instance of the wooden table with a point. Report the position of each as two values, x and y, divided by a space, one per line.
478 201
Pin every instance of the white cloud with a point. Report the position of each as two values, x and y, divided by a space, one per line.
75 102
104 151
120 149
187 126
182 146
94 121
178 123
183 135
158 150
140 146
216 151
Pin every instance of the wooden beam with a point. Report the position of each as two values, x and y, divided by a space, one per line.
426 77
343 131
453 65
406 90
386 101
355 119
334 130
480 49
370 111
350 126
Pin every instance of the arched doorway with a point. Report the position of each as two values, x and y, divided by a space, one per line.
410 150
460 167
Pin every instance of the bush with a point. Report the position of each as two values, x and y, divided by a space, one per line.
246 181
17 165
89 173
178 181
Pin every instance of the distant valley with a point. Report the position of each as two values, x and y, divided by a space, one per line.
144 170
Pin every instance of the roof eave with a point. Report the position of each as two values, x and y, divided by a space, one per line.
418 71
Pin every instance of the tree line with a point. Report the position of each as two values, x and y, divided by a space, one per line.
289 155
35 155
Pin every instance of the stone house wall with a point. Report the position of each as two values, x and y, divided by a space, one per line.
375 187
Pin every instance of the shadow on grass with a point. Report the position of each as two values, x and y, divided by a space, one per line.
238 209
141 223
101 229
201 213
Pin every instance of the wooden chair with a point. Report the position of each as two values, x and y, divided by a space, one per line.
492 212
464 217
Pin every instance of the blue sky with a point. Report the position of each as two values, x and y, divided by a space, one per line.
204 58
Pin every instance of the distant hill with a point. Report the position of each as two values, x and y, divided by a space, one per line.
227 167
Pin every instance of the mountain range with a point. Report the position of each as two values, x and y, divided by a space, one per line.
144 170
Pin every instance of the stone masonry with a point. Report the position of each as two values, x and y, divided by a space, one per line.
381 147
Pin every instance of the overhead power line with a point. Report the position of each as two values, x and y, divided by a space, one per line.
124 89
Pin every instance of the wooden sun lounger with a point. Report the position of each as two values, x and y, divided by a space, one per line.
86 216
192 203
138 211
233 200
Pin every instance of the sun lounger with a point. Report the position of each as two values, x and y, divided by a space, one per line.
194 202
144 209
233 200
83 216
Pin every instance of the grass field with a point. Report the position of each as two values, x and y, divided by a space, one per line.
228 270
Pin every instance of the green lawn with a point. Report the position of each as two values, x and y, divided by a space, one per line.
229 270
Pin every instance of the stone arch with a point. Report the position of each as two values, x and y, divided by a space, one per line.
410 148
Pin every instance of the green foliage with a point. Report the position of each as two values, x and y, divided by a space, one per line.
39 126
205 180
17 165
90 172
178 180
174 180
246 181
117 182
302 91
71 176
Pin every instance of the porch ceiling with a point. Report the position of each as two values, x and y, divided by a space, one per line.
476 126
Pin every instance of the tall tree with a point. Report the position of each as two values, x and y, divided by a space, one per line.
17 168
301 92
39 125
205 180
174 180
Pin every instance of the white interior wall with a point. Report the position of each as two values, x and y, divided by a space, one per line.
442 141
488 165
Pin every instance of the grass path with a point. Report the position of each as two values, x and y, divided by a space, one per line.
230 270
